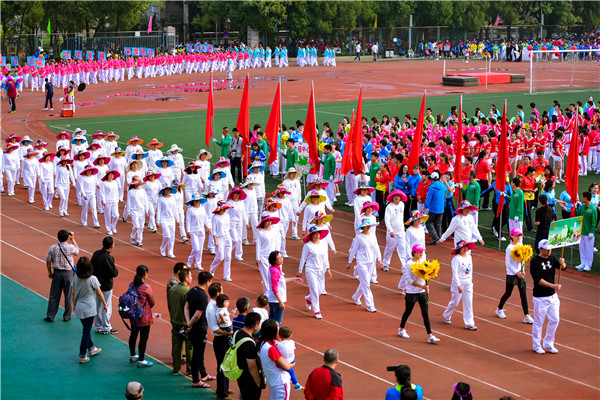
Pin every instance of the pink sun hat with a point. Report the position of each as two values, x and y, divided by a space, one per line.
400 193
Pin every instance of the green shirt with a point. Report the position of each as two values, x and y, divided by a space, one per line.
590 216
291 158
373 173
225 144
472 193
176 298
329 167
264 147
516 205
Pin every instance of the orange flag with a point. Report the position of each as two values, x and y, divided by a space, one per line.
210 113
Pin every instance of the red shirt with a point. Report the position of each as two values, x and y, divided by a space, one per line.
324 383
528 145
522 170
12 90
513 147
464 174
422 190
481 169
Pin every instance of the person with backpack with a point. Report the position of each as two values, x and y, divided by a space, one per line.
251 380
140 320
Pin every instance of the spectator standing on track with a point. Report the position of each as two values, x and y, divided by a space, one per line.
174 279
12 94
403 377
49 88
221 340
105 270
142 327
274 365
59 261
176 301
197 327
324 383
251 381
242 305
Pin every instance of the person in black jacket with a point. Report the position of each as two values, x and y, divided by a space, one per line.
105 270
49 88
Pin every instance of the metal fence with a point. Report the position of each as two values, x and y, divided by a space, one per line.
161 42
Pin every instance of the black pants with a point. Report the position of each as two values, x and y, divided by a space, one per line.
407 210
380 199
62 282
13 104
86 336
448 214
528 222
144 332
220 346
49 100
198 345
409 303
540 235
511 281
434 226
483 183
236 165
357 56
566 214
248 389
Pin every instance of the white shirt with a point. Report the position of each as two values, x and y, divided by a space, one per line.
260 189
109 147
238 214
212 317
46 171
286 211
221 225
293 186
414 236
394 219
166 175
359 202
314 257
309 214
250 202
165 211
410 278
88 185
11 161
204 169
29 167
110 191
512 265
154 155
462 270
64 143
463 227
196 219
137 200
151 189
287 349
62 176
119 165
193 184
266 242
365 249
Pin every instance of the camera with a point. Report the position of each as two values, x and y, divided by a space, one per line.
392 367
182 334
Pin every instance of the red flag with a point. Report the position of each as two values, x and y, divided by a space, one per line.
501 163
273 124
347 157
310 133
243 121
459 153
210 113
415 148
572 171
357 162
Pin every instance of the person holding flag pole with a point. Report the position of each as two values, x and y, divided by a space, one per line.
501 170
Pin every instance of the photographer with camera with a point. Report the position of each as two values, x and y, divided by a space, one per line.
176 301
59 262
404 389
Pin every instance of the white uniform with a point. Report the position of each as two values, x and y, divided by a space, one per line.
462 275
193 184
119 165
222 232
315 262
29 172
46 175
251 214
463 227
266 242
209 207
285 214
10 167
151 189
359 202
196 222
180 213
78 167
137 205
110 199
63 177
394 223
88 198
295 188
238 219
309 214
165 217
367 253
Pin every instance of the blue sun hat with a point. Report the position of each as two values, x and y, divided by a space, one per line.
256 164
166 187
139 153
195 197
159 162
212 176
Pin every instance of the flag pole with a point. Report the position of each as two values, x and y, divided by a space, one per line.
280 128
502 194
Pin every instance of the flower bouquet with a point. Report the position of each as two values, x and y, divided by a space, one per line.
427 269
522 253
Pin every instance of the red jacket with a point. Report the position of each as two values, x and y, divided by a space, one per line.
324 384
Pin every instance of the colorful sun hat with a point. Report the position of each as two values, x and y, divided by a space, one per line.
155 142
78 137
139 153
26 139
281 189
222 163
62 149
212 176
271 202
417 248
516 232
30 152
362 186
174 148
368 204
256 164
321 215
221 206
79 131
177 184
151 172
266 217
65 158
106 160
210 189
86 155
314 193
249 181
393 193
13 136
136 180
116 174
195 197
11 147
118 150
94 143
461 244
192 164
87 168
203 151
291 170
166 187
111 134
239 191
99 135
464 205
40 143
416 215
366 221
314 229
46 155
135 141
159 162
318 181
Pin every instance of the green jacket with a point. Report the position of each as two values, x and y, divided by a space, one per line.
590 216
373 173
517 208
472 193
291 158
329 167
176 298
264 147
225 144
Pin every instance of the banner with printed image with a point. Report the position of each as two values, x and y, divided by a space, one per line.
566 232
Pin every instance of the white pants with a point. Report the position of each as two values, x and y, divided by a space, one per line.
222 254
330 190
263 268
315 280
236 238
102 320
467 299
100 200
586 250
121 187
29 181
545 307
78 193
89 203
152 216
283 62
253 221
197 241
351 185
295 225
514 224
274 167
168 232
11 179
63 193
180 219
397 243
364 286
47 189
283 226
280 392
137 221
111 216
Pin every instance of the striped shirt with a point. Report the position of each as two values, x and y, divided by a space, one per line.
58 260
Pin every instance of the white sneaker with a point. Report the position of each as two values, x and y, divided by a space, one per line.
471 327
501 314
587 268
539 350
45 109
357 302
94 350
162 253
109 233
132 241
139 244
386 268
374 282
246 243
447 321
228 279
114 231
432 339
502 239
580 267
308 304
528 319
551 349
402 333
238 259
373 310
171 255
286 256
318 315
